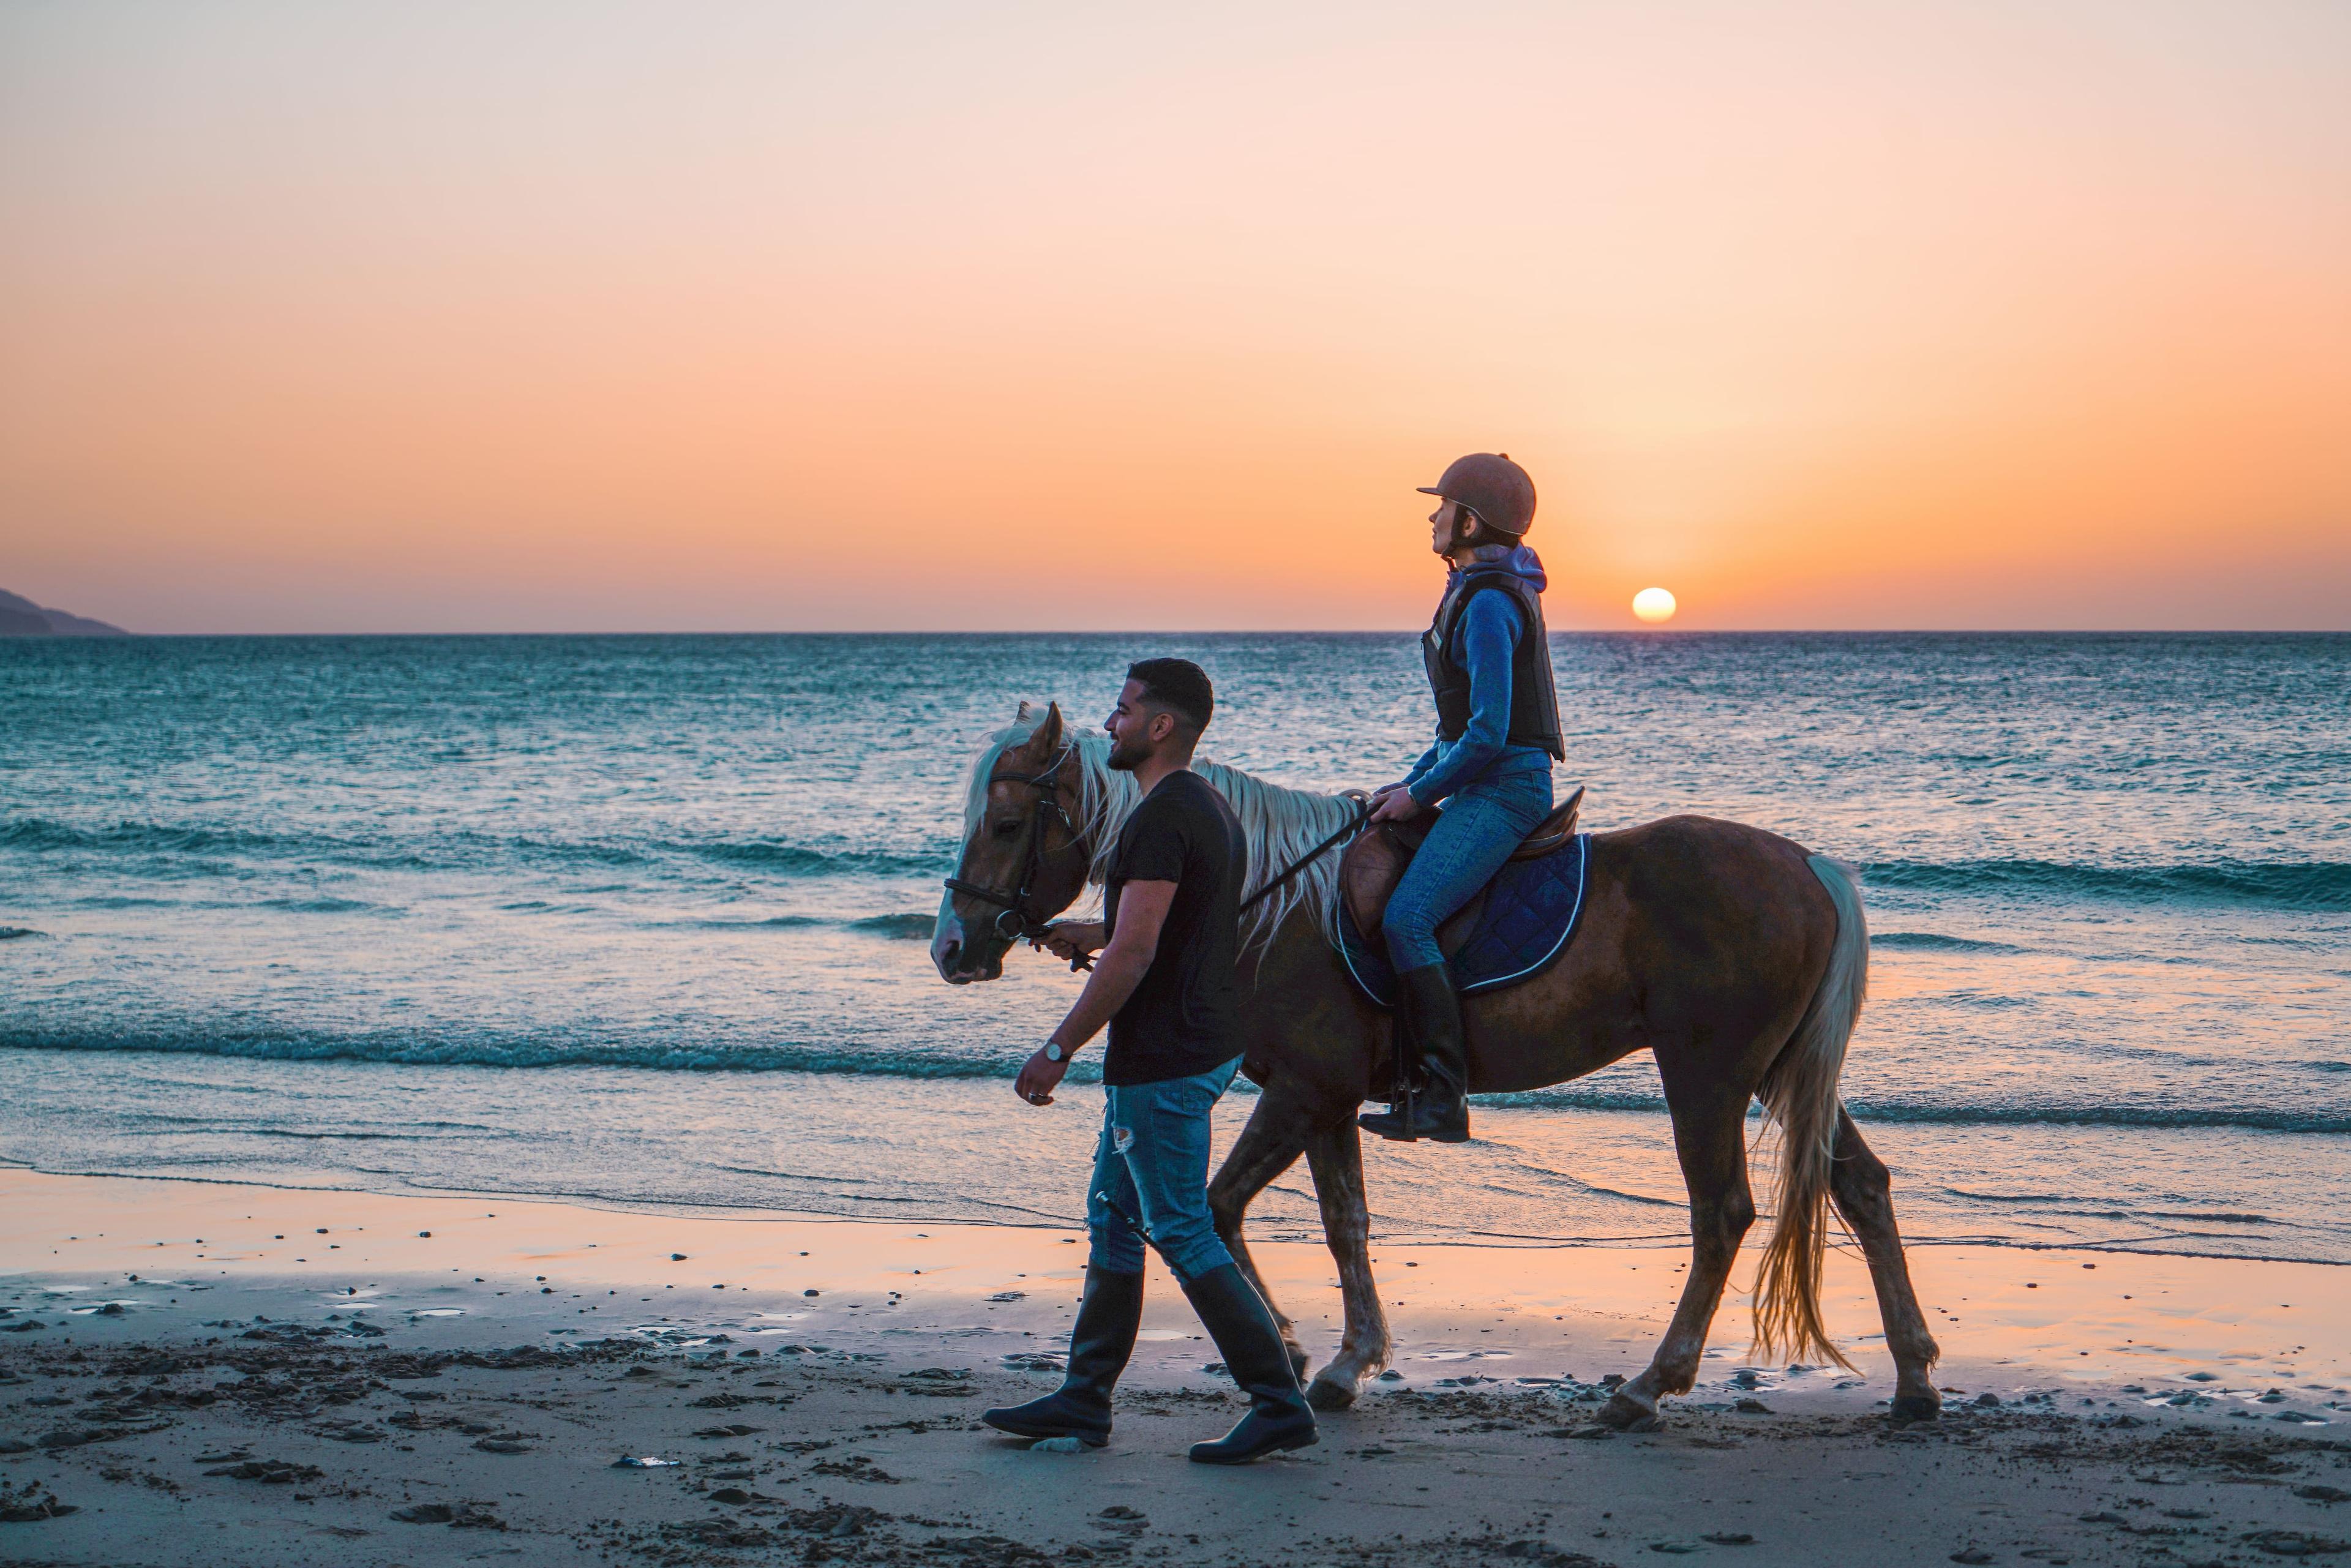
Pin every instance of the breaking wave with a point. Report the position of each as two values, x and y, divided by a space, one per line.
553 1051
205 846
2275 884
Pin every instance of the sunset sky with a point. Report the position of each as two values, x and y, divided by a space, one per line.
571 316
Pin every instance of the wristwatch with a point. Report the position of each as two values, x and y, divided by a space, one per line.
1053 1052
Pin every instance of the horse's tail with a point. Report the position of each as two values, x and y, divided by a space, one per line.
1800 1093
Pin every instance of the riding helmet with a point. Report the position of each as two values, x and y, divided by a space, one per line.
1491 486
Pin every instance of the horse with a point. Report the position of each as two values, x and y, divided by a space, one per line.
1735 957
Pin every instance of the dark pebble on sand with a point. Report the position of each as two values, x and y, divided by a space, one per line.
2296 1543
28 1509
1971 1554
462 1517
1752 1408
80 1437
270 1472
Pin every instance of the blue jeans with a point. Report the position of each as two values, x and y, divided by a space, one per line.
1151 1169
1482 823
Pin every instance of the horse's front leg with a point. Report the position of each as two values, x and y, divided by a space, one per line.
1269 1145
1336 1158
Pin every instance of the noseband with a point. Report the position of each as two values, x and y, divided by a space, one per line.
1014 922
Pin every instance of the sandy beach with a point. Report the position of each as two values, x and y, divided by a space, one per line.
1739 602
243 1375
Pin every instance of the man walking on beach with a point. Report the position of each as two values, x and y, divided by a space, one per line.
1164 985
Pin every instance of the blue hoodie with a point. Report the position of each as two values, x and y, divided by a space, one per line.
1488 634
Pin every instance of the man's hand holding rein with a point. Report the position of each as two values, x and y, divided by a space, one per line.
1141 911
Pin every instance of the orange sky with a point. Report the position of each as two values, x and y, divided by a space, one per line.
560 316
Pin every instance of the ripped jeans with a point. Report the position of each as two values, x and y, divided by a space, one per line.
1151 1168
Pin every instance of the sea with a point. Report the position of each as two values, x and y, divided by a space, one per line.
642 921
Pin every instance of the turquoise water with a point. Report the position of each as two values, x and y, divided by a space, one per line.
643 919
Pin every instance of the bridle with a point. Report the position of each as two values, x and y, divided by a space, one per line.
1014 920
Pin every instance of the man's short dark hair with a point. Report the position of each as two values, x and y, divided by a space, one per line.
1180 685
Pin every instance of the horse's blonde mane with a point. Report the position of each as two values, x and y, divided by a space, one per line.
1279 823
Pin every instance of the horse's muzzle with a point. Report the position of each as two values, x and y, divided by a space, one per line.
956 959
956 966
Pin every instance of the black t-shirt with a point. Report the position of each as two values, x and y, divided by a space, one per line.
1183 1018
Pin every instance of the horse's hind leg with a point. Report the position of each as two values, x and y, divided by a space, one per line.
1336 1158
1863 1193
1270 1144
1711 1141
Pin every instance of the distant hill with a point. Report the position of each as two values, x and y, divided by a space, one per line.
20 617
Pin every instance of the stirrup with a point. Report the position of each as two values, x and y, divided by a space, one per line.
1394 1123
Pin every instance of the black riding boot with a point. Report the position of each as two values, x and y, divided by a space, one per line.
1428 1016
1100 1342
1246 1335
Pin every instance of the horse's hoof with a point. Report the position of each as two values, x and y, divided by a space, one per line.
1627 1415
1909 1407
1330 1394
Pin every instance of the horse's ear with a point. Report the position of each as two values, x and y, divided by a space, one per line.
1048 739
1022 717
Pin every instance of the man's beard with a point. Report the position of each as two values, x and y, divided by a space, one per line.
1124 759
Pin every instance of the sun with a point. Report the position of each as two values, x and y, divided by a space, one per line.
1654 604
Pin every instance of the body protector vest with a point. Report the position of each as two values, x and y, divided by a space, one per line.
1534 702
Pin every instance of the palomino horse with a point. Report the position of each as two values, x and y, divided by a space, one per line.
1735 959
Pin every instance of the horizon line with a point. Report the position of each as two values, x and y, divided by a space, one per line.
1245 632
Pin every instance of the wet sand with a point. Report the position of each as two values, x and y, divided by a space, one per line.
245 1375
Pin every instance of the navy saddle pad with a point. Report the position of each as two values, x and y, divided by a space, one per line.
1530 914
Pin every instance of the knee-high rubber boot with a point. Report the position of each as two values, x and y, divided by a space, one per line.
1243 1327
1102 1339
1428 1015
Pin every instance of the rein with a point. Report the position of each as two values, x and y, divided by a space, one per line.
1355 825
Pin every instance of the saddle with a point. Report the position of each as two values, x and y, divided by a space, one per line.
1375 862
